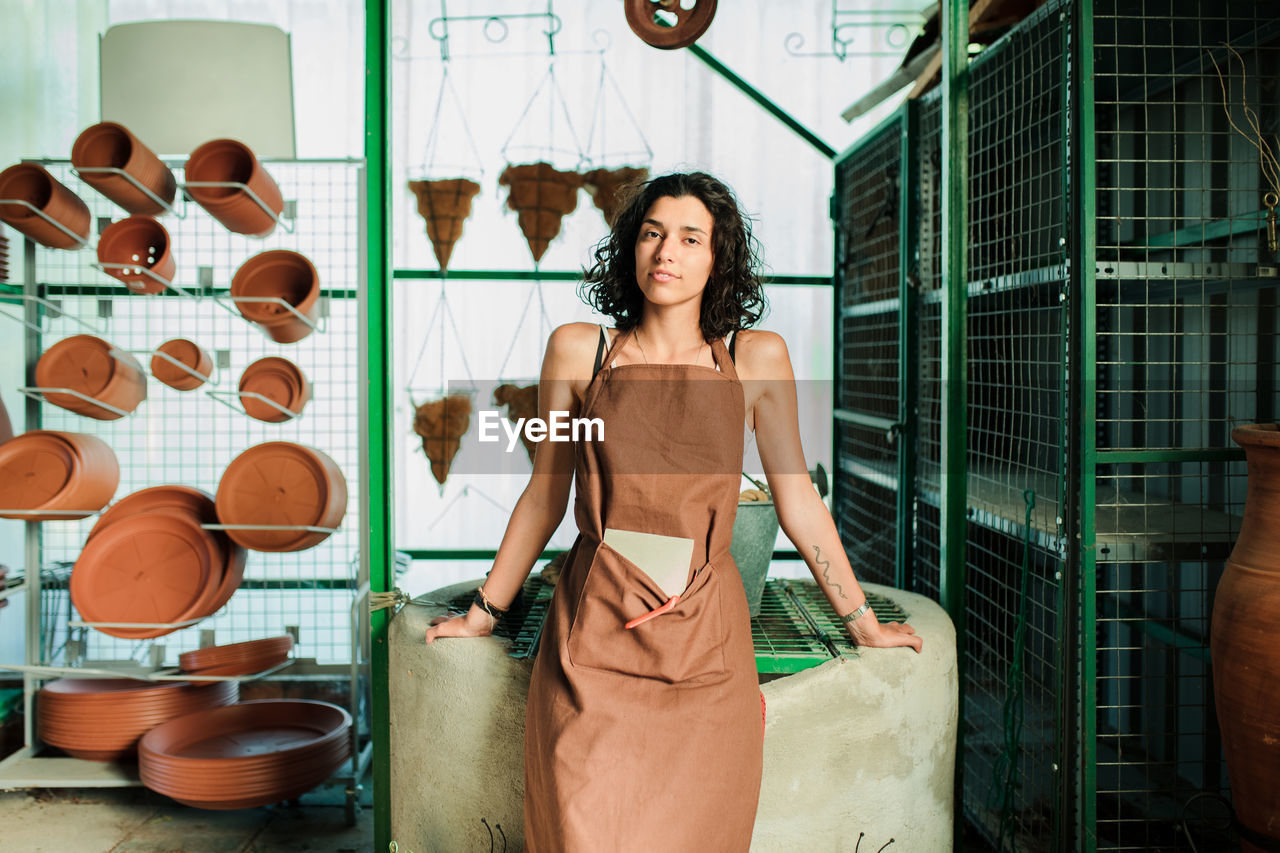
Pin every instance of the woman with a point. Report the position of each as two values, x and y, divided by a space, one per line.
644 720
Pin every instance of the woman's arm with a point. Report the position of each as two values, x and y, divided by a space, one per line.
801 513
542 505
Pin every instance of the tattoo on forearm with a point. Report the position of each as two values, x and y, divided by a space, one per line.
826 567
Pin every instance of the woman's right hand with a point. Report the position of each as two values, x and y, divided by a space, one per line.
474 623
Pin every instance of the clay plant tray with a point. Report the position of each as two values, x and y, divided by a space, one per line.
280 381
268 652
245 755
158 567
197 505
84 363
102 719
188 353
66 475
280 483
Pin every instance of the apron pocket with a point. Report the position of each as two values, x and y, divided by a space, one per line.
684 644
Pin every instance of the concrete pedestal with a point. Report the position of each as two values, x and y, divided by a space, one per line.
863 744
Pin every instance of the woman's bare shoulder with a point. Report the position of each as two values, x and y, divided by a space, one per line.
571 349
761 354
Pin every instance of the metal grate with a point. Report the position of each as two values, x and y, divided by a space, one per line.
794 631
189 437
928 403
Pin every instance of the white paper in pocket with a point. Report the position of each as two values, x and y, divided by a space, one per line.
665 559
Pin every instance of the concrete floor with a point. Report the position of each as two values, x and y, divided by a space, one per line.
136 820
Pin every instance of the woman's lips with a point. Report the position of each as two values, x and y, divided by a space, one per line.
663 275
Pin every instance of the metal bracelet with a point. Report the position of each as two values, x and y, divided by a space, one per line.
849 617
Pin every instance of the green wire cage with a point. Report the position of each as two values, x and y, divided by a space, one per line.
1119 296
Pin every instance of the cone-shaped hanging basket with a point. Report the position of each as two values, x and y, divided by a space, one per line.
520 403
445 205
542 196
441 424
606 187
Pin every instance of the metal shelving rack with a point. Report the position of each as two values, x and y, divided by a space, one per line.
317 595
1117 301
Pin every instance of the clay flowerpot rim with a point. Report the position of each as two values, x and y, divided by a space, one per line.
1256 435
138 181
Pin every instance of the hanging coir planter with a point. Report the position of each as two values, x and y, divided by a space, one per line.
542 196
444 204
441 424
103 151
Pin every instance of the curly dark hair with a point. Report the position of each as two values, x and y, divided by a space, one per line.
734 296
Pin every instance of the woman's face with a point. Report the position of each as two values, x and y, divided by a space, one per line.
673 250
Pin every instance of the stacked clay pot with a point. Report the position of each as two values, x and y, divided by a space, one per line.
230 161
32 183
246 755
187 353
85 363
247 658
51 476
280 483
149 559
280 274
278 380
139 243
111 145
101 719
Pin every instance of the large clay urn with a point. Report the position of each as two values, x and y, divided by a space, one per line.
1246 656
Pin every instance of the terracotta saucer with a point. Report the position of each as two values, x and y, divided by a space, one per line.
187 352
35 468
277 483
148 568
211 656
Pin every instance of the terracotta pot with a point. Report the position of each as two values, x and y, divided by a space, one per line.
202 660
33 184
280 381
445 205
189 354
542 196
282 274
285 484
226 160
56 472
84 363
141 242
112 145
1246 660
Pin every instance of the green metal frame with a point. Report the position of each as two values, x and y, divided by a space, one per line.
908 361
377 392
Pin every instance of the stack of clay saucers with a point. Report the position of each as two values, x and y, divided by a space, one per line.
101 719
148 559
282 484
48 476
247 658
278 380
90 366
245 755
187 353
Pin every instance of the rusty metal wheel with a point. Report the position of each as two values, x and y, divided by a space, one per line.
690 23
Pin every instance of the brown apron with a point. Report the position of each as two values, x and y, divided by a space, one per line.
649 738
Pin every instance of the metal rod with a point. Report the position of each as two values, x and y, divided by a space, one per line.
49 219
276 218
112 170
38 394
169 285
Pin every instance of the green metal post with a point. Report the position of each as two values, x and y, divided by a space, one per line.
907 351
376 390
1083 199
955 180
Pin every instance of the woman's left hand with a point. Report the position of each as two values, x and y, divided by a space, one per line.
866 630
